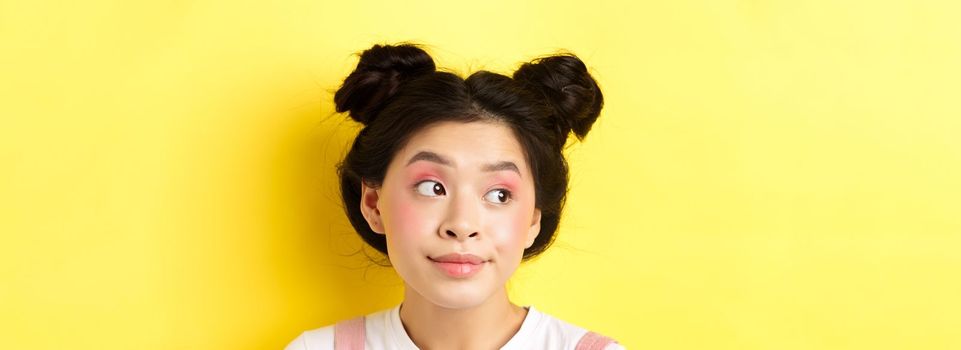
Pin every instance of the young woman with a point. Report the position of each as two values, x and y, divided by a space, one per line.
457 181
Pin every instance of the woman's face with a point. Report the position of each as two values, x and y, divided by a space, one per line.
456 188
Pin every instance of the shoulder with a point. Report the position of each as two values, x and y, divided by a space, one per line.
323 338
596 341
614 346
554 333
315 339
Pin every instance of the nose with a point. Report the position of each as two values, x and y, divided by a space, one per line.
462 220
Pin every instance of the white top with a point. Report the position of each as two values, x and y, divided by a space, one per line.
384 331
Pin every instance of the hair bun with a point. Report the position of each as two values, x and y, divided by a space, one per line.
381 70
568 88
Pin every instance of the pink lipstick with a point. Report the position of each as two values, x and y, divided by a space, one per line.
459 265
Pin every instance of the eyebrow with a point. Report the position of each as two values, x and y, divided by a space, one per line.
436 158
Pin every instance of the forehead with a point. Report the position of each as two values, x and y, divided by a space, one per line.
466 144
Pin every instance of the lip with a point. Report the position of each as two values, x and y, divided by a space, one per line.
459 258
459 265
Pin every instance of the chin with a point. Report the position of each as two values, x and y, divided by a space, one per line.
457 303
457 298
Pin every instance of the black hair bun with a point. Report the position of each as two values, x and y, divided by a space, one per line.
380 72
568 88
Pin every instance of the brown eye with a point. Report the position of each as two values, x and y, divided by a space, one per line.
499 196
430 188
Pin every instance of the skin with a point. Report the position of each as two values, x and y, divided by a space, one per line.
469 207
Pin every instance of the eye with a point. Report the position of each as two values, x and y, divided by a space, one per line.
430 188
499 196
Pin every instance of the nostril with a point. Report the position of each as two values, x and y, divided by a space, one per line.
454 235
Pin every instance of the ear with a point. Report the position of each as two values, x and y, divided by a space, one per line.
535 228
368 206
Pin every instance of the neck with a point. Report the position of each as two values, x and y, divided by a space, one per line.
488 325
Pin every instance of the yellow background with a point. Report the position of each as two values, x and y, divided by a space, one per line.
765 174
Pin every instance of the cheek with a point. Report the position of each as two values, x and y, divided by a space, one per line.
515 224
409 223
405 218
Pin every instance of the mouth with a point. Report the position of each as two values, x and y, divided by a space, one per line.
459 259
459 266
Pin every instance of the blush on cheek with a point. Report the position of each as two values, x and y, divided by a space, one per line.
517 223
522 224
407 219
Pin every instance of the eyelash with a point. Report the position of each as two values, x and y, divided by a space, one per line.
417 188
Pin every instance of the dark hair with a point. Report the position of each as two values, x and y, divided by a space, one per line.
396 91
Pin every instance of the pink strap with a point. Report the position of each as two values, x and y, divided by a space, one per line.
349 334
593 341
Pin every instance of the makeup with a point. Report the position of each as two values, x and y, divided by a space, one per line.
459 270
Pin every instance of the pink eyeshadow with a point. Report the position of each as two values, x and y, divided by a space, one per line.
420 172
511 182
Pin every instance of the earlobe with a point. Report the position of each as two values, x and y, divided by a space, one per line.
535 228
368 206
